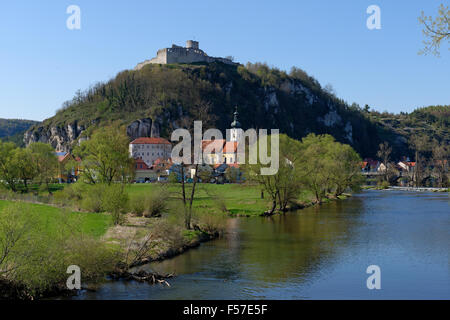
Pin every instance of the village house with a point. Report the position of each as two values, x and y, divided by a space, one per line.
158 171
153 156
150 149
406 166
67 173
372 166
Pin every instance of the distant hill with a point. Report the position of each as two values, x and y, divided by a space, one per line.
160 98
432 122
13 129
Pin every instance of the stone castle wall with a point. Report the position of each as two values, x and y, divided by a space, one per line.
177 54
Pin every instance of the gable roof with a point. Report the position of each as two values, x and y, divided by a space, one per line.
62 156
230 147
215 146
147 140
141 165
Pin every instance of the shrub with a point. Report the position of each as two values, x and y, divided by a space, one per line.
36 258
156 204
137 204
115 201
383 185
170 232
211 222
91 203
173 177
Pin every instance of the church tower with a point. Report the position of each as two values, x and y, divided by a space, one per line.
236 131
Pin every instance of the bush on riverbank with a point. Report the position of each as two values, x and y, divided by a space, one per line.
35 252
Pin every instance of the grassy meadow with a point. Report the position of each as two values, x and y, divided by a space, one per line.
51 218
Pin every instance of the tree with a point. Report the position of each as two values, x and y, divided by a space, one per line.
420 145
384 153
8 169
232 174
441 155
45 163
345 169
329 89
205 173
435 30
25 166
115 200
284 186
105 157
316 162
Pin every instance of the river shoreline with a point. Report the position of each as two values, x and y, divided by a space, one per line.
418 189
165 254
320 253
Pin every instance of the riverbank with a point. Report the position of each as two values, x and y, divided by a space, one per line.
144 239
419 189
320 253
413 189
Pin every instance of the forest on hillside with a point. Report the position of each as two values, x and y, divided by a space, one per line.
294 102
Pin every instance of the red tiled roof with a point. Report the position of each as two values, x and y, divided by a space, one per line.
154 140
141 165
230 147
214 146
64 157
161 163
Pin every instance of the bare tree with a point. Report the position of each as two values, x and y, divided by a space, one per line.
420 145
435 30
440 164
384 153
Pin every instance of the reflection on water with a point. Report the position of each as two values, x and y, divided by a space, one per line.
318 253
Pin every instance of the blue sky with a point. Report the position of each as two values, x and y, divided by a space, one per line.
42 63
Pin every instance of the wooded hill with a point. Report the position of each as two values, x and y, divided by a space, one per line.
13 129
175 95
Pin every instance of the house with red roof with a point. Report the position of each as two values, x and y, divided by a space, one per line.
406 166
68 173
150 149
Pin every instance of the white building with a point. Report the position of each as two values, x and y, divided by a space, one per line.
150 149
222 151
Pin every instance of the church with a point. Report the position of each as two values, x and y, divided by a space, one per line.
222 150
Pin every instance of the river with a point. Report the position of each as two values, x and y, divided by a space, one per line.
316 253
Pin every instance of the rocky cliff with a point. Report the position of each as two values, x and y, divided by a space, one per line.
175 95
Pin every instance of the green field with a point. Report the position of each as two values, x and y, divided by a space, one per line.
50 218
239 200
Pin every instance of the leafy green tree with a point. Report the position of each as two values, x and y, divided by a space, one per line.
26 167
105 157
328 166
8 169
345 169
115 201
316 162
232 174
284 186
205 174
45 162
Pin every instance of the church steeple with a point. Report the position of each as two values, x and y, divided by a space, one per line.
236 131
236 123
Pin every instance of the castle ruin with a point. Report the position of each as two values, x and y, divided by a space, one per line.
177 54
